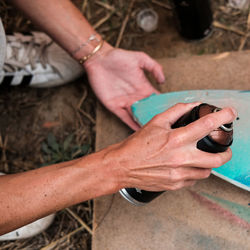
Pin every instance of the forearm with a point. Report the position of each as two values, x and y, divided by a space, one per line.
62 21
149 159
28 196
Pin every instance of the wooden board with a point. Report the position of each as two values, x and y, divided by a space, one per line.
212 215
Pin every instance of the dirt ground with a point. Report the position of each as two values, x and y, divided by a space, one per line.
30 116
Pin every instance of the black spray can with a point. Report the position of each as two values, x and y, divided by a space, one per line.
194 18
217 141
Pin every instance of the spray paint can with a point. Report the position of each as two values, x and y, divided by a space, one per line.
216 141
194 18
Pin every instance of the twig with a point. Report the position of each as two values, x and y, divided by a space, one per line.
54 243
166 6
82 138
8 246
242 43
84 5
105 5
109 7
3 145
216 24
59 228
103 20
124 23
79 220
87 115
76 153
244 39
80 122
85 93
88 11
248 21
110 36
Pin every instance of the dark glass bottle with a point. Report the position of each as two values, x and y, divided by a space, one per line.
217 141
194 18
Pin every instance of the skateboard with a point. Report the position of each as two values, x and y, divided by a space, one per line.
237 170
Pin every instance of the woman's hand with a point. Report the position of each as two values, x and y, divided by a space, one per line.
157 157
118 80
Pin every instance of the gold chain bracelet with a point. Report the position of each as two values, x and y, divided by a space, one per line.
97 48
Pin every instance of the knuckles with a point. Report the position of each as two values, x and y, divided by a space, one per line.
209 122
176 161
175 175
156 119
177 139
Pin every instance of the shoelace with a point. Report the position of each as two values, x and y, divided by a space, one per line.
25 50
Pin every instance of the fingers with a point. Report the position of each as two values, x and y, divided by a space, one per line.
188 173
190 156
147 63
185 177
196 173
211 160
126 118
178 178
202 127
170 116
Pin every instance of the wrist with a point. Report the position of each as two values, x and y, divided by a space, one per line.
117 158
104 50
101 173
91 49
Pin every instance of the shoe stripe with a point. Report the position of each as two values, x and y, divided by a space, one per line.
26 80
7 81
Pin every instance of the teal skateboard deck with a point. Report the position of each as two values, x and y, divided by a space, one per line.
236 171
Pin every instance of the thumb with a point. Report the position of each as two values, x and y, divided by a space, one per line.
125 116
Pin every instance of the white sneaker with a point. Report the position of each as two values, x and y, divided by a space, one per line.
29 230
37 61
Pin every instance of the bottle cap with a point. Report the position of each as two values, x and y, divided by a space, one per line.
147 19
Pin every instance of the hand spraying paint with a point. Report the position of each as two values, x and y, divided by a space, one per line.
216 141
